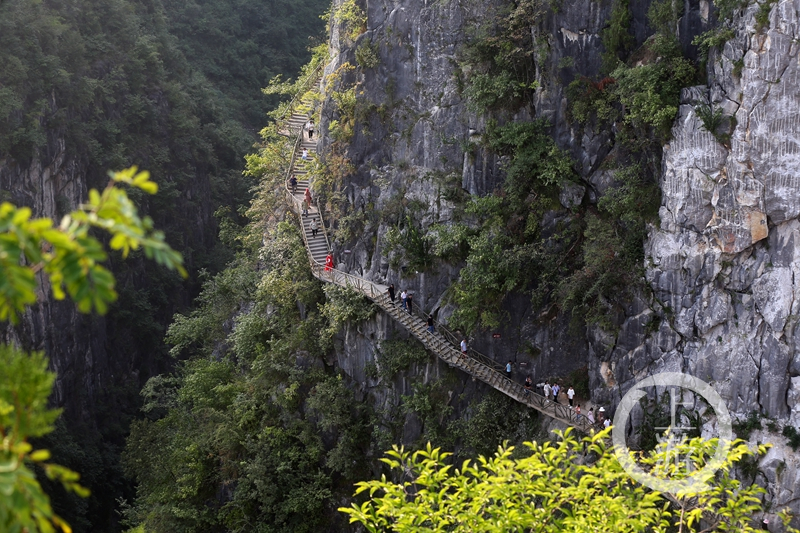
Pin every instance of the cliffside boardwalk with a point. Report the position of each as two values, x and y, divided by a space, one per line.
443 343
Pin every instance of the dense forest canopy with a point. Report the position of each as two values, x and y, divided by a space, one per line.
175 88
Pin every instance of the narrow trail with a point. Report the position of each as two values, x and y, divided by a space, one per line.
442 342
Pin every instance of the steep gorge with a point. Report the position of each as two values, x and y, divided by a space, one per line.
91 86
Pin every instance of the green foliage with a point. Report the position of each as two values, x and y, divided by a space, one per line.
24 391
645 95
762 15
663 16
536 162
589 100
790 432
633 200
498 61
550 490
69 255
650 93
367 55
713 38
601 273
497 418
487 91
450 242
588 262
412 243
238 46
343 305
342 128
394 356
173 86
744 428
726 9
657 416
429 402
616 37
351 17
711 118
251 434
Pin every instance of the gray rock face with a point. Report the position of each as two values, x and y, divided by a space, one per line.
427 147
723 265
92 357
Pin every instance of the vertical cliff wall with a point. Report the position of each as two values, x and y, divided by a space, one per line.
721 263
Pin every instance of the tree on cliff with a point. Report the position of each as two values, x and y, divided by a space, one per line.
567 485
70 256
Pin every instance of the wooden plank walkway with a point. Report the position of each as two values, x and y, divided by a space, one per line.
442 342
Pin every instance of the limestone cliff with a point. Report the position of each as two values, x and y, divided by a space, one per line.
722 262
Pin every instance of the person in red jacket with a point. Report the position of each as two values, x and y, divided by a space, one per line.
328 262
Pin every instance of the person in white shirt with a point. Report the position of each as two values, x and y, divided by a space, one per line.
546 390
570 395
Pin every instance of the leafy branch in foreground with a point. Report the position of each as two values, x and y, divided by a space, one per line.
69 254
24 390
567 485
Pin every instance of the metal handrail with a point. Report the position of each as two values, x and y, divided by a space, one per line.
294 201
453 338
313 75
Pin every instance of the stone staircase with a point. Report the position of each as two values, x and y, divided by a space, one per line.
442 342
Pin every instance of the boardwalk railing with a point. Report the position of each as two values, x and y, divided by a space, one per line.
441 341
311 78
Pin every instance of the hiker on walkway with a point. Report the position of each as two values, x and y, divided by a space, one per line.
556 390
293 183
601 415
578 411
309 127
314 229
329 262
430 324
307 196
570 395
390 290
463 347
528 385
410 303
590 415
546 390
305 208
508 370
403 296
305 154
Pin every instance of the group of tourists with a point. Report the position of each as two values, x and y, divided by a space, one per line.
551 392
555 389
407 302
